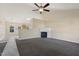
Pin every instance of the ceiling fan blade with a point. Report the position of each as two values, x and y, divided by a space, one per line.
36 4
46 5
35 10
46 10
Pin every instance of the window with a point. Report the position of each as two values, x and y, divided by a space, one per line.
11 28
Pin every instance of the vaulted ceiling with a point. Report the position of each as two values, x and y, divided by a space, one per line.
21 11
59 6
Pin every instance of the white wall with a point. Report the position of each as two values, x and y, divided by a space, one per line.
14 14
2 30
11 34
64 24
30 34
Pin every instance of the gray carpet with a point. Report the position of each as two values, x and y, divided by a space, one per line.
2 45
47 47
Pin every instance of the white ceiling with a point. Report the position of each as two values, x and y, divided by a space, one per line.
18 12
31 6
59 6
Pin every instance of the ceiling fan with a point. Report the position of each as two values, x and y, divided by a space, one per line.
41 8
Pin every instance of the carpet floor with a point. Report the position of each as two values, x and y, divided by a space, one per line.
47 47
2 45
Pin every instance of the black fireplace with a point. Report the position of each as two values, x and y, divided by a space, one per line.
43 34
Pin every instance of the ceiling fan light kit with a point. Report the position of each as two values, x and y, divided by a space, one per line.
41 8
